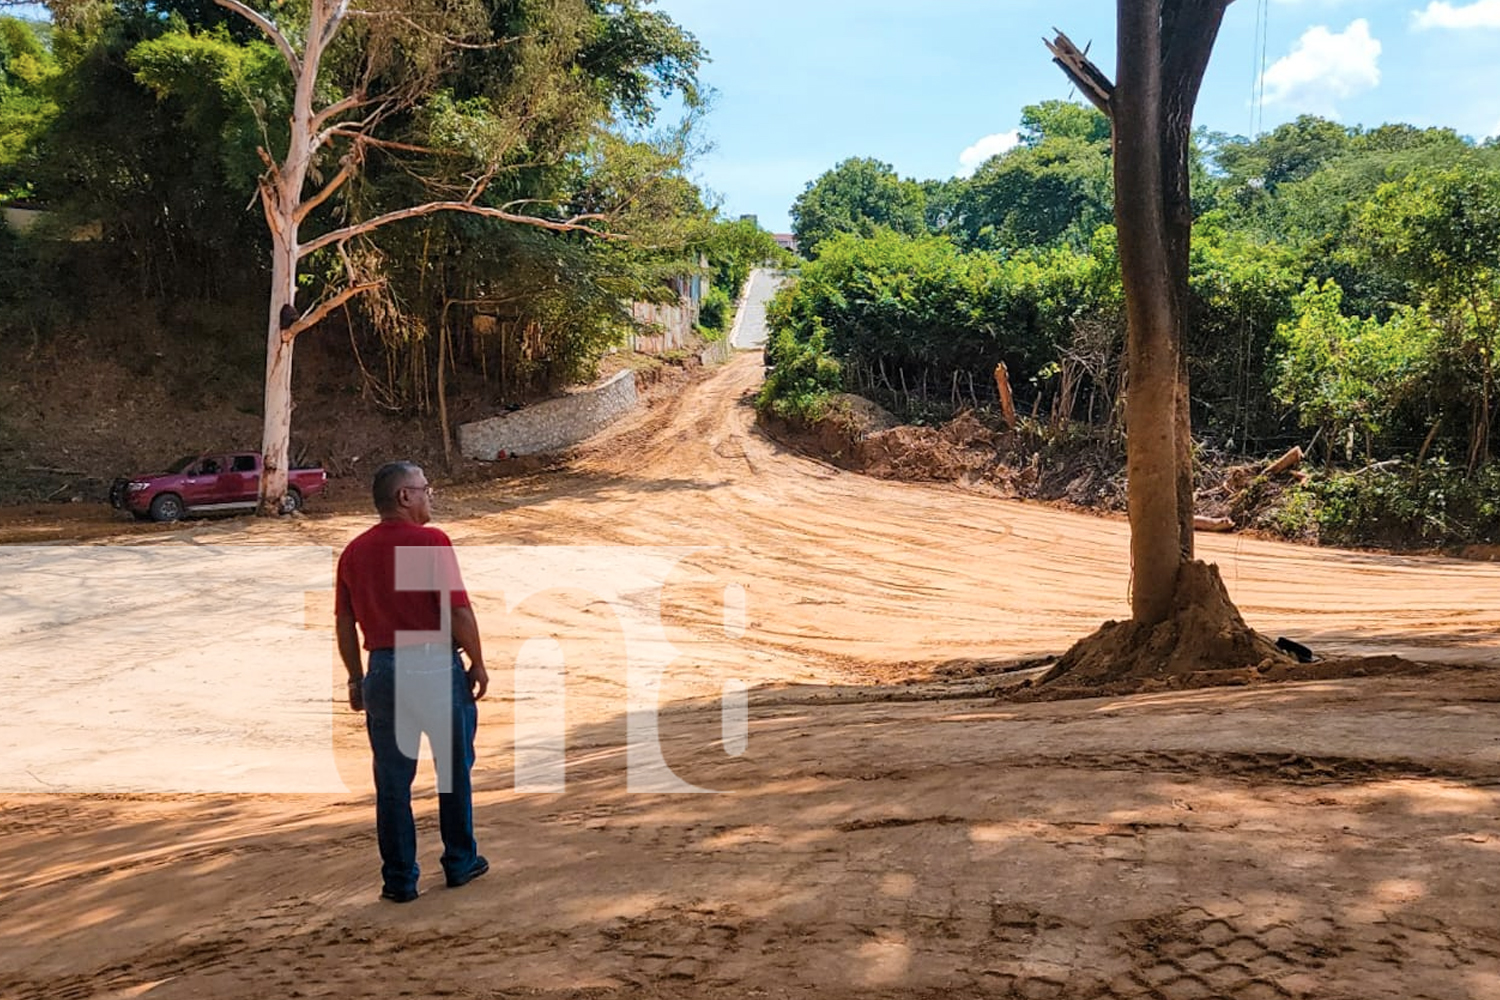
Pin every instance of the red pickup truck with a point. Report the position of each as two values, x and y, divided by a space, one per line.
212 483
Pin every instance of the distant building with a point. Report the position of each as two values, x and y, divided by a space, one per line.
787 241
751 219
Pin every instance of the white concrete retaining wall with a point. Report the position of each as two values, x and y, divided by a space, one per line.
551 425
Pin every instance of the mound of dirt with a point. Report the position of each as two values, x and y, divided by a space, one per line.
1204 644
859 436
1205 632
962 449
837 438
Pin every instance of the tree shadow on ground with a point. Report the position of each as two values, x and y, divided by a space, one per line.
1329 838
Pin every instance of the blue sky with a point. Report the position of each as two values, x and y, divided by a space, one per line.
803 84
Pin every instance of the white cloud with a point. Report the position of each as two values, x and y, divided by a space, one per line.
1323 67
1480 14
991 145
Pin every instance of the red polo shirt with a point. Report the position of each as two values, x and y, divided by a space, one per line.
367 581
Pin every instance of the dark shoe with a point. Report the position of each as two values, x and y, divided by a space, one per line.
398 895
480 867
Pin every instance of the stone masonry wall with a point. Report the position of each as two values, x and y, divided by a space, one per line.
717 353
551 425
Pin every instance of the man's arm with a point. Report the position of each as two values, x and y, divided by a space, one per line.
466 634
348 636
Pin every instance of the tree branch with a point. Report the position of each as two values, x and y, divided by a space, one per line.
354 130
575 224
346 170
268 205
419 28
1190 29
1091 83
331 27
337 108
272 32
316 316
359 135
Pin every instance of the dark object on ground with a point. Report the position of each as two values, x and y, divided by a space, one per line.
398 895
1301 652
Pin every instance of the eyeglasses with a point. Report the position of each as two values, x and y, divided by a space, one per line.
425 488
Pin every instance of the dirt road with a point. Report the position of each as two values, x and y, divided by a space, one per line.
1333 838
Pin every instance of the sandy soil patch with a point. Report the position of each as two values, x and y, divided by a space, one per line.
892 829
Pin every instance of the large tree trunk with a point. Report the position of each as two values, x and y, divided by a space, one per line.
1164 47
281 198
1151 411
276 429
1182 620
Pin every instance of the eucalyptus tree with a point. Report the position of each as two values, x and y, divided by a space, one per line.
367 82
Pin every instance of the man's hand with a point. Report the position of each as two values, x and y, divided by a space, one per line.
479 680
348 640
466 634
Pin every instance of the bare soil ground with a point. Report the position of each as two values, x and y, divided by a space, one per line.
897 826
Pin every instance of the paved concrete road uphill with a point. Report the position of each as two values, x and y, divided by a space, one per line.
750 322
1333 838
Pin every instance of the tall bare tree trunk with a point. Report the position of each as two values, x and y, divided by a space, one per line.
1164 47
276 427
1182 620
1153 343
281 199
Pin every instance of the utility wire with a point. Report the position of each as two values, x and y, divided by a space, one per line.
1258 76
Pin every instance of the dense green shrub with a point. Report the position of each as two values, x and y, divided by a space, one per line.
1436 504
716 313
802 380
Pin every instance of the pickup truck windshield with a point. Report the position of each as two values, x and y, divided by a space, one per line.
181 465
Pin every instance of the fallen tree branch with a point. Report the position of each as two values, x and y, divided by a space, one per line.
1291 457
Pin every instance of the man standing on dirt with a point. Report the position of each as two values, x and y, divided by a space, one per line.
399 583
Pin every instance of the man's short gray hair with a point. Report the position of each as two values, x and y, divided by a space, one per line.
389 479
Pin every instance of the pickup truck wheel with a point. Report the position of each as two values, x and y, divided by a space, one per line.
166 507
292 502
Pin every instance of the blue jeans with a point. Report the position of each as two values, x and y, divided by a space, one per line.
421 694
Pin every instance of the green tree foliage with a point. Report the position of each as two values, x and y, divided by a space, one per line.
1344 287
716 313
858 196
1054 188
899 308
26 69
1062 120
230 97
898 301
1242 288
1287 153
1439 231
542 110
1348 376
114 161
162 111
1053 192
